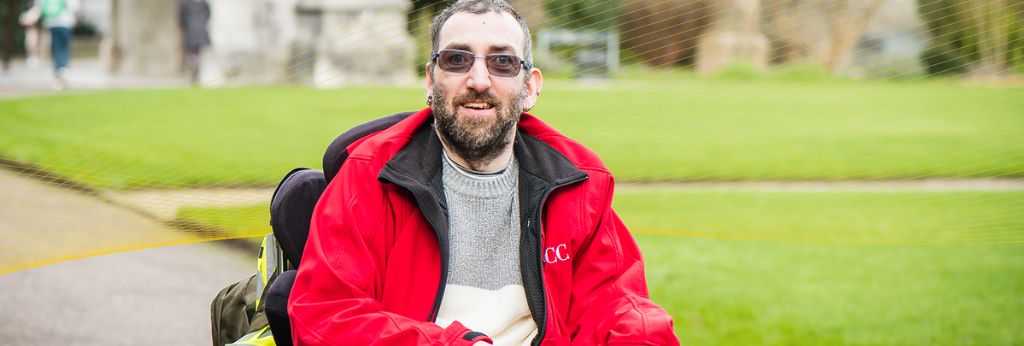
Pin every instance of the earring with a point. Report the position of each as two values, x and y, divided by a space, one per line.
430 100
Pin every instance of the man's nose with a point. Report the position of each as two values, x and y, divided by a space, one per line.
479 78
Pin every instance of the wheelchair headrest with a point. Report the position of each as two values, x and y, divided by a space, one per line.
291 209
337 151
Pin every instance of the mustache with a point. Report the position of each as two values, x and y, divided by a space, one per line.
473 95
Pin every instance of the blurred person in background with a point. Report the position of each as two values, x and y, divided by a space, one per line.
193 15
59 18
30 21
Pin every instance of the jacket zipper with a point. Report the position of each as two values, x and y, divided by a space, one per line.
440 290
440 293
541 329
441 283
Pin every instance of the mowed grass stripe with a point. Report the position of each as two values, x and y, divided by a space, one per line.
827 217
684 130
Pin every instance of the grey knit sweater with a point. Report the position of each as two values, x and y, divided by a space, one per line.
484 289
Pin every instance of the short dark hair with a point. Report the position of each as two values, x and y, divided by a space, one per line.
479 7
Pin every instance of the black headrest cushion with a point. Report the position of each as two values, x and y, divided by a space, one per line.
337 151
291 210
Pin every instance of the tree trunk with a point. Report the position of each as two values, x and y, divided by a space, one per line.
799 30
664 32
849 18
9 31
990 22
735 35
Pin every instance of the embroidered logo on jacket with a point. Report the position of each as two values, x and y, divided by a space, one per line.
555 254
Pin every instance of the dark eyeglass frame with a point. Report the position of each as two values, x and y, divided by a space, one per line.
491 60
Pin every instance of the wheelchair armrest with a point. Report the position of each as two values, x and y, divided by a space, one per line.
277 307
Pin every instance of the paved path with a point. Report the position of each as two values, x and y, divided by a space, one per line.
164 204
83 75
154 296
158 296
42 223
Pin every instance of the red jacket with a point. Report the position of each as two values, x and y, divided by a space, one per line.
375 265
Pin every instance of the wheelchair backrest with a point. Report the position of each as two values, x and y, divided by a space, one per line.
292 204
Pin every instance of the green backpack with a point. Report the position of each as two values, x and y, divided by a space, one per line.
238 317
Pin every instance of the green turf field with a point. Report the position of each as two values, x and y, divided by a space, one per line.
834 268
740 292
689 129
816 268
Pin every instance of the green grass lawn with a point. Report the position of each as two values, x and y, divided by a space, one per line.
733 267
691 129
834 268
741 292
816 268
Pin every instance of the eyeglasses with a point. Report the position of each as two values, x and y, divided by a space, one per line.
460 61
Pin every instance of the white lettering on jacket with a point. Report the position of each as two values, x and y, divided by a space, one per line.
555 254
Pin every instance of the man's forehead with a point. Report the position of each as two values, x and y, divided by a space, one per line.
491 31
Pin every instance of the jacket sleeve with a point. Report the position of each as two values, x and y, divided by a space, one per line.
333 299
610 302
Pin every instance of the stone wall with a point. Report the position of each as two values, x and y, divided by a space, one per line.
363 42
251 41
143 39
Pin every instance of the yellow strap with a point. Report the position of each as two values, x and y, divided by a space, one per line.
262 337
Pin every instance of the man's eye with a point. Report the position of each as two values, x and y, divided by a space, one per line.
504 59
457 59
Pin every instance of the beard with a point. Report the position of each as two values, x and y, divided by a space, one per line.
477 140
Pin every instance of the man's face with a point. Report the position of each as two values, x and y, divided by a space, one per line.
476 112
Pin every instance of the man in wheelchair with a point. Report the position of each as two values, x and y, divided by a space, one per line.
467 222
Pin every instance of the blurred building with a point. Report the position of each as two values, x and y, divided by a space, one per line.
331 43
852 37
326 43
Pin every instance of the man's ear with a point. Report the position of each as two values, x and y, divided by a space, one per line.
534 82
430 79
